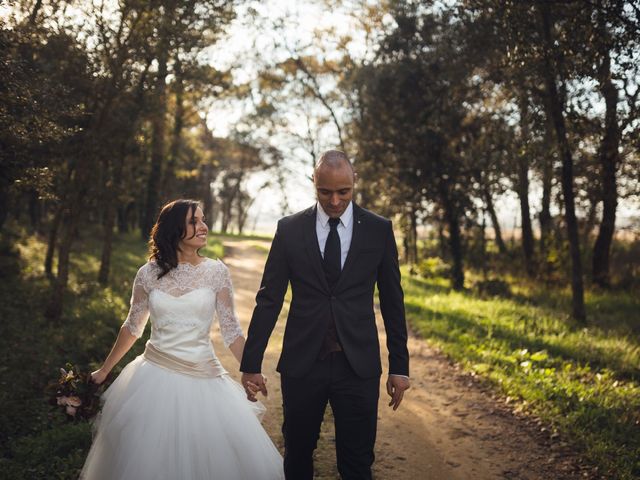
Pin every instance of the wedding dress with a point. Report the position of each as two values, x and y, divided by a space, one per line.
174 413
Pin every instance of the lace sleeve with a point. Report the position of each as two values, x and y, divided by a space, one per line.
229 324
139 310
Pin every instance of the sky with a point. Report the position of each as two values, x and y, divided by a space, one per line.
298 21
249 43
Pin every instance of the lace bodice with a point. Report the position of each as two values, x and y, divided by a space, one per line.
182 305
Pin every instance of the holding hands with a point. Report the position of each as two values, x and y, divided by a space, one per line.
254 383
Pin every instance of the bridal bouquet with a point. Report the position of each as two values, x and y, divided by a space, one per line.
75 393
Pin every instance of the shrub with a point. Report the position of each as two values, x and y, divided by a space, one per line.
55 453
432 267
493 288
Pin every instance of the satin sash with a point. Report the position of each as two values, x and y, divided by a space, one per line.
205 369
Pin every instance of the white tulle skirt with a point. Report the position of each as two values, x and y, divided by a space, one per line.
161 425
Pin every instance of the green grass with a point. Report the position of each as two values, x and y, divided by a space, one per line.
585 382
36 440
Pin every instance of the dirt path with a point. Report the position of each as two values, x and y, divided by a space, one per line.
447 428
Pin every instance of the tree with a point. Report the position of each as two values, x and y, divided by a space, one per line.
554 106
413 123
97 120
40 103
522 36
183 30
237 160
615 67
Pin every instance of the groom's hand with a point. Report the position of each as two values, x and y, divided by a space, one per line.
396 385
254 383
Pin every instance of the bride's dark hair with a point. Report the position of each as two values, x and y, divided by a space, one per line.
169 229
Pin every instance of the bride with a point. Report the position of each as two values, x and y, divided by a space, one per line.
174 412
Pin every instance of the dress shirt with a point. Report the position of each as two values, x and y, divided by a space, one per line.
345 231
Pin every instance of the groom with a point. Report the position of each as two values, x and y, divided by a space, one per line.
333 254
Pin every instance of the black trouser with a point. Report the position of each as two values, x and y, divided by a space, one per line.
354 402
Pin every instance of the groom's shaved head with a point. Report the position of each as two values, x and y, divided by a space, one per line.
333 159
334 179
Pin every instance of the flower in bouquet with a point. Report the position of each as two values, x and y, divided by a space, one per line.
71 403
74 391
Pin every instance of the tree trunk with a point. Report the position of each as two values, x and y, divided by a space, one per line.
455 244
75 202
502 248
35 211
206 178
523 190
226 203
243 213
410 240
4 196
483 246
207 175
442 239
231 185
554 106
107 243
608 157
56 301
414 235
111 207
455 237
545 207
226 216
546 224
590 220
169 177
158 141
122 219
34 12
53 241
405 246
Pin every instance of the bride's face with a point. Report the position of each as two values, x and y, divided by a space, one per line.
196 230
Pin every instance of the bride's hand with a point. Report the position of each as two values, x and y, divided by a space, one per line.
99 376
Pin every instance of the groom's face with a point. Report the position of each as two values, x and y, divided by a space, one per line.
334 188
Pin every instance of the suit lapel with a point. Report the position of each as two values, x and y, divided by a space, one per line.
312 245
357 240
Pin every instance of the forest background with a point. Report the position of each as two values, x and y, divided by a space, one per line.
501 136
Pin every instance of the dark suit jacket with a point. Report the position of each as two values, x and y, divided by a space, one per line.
295 257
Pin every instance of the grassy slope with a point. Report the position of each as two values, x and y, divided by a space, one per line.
584 381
